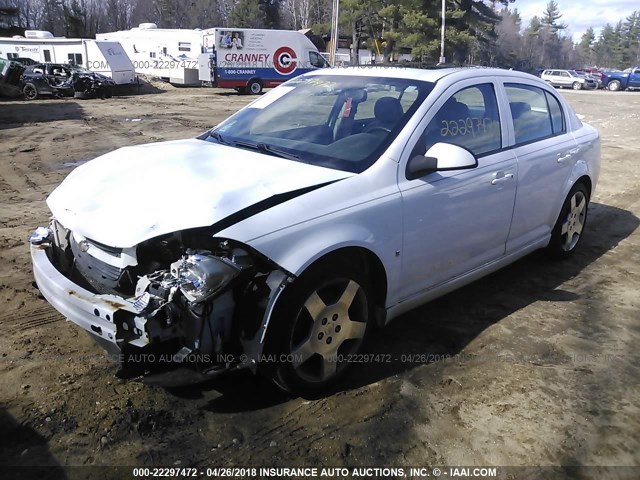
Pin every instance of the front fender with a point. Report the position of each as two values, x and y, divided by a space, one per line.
305 250
363 211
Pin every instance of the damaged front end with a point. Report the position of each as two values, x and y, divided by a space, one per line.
175 309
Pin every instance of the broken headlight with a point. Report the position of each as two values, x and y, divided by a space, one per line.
201 275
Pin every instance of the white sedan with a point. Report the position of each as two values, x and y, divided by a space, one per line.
330 205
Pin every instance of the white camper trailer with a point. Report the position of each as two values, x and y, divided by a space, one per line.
107 58
167 53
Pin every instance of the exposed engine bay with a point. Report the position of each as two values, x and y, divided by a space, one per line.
198 301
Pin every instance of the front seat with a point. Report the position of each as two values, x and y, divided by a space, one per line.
387 111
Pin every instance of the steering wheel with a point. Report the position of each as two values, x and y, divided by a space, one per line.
377 127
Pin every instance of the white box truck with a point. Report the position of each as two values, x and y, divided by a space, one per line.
250 59
105 57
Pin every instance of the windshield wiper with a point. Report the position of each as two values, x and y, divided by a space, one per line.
266 148
219 138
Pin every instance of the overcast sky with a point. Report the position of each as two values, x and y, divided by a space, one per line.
580 14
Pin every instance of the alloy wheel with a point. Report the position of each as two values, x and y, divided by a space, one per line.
330 326
574 222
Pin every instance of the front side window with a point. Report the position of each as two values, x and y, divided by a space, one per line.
317 60
470 119
536 114
342 121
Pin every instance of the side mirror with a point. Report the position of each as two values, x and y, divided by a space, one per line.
440 157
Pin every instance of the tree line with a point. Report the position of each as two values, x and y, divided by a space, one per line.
478 31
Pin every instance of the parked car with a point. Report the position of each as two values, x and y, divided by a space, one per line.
59 80
10 74
590 76
568 79
629 79
336 202
48 79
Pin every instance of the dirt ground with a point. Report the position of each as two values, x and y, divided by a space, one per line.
537 364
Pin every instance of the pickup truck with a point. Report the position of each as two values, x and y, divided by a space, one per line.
615 81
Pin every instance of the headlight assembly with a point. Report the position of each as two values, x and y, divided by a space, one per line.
201 275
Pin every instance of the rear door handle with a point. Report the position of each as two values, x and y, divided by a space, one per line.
501 177
563 157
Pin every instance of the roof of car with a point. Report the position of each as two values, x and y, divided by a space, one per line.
428 75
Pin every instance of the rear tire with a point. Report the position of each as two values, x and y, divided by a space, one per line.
569 227
254 87
321 320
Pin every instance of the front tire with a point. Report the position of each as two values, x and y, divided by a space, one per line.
569 227
577 86
614 86
30 91
321 320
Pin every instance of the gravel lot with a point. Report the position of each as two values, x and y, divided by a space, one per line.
537 364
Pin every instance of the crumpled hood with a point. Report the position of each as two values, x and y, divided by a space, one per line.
136 193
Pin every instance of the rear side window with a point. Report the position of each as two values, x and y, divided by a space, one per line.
557 119
469 118
536 114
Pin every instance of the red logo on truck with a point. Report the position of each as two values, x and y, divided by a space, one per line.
285 60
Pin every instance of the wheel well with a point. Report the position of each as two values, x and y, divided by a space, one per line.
364 259
586 181
254 79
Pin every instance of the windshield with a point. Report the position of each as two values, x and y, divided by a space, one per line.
341 122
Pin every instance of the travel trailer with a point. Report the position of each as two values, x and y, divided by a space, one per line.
105 57
168 53
244 59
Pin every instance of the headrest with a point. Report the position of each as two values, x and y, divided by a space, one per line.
388 110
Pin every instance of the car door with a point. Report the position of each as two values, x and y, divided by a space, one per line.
634 78
455 221
545 152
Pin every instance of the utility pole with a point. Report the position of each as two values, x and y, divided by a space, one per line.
334 32
442 59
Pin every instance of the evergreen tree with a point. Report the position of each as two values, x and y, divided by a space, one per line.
585 46
550 17
631 39
247 14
